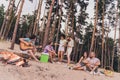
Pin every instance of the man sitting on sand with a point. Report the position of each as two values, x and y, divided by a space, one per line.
92 63
11 58
28 44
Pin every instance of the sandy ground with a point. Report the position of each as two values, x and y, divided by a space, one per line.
45 71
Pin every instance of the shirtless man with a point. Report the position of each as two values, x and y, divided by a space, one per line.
30 43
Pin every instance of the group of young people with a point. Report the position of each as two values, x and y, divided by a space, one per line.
90 63
65 46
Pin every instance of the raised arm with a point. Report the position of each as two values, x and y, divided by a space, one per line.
80 60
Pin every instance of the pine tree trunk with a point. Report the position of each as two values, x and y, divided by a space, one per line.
113 52
109 59
119 44
5 18
11 21
95 24
35 29
102 58
48 24
52 34
59 25
9 17
16 24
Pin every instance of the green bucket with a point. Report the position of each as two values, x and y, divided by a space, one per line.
44 58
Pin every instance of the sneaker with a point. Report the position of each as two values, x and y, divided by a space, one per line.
59 62
71 68
67 66
95 73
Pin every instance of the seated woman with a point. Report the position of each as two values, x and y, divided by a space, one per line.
81 64
49 50
11 58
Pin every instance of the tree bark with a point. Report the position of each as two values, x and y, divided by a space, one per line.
59 25
102 58
16 25
5 18
48 24
9 26
119 42
6 27
113 52
35 29
95 24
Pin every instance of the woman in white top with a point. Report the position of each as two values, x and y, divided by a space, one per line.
61 48
70 46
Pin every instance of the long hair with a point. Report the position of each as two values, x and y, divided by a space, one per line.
86 54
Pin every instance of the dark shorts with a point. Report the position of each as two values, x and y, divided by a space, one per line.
82 64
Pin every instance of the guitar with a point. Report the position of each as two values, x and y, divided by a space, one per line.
24 46
27 46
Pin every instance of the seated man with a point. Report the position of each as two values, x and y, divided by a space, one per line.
92 63
49 50
27 44
11 58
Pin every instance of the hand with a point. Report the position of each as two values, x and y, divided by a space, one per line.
30 44
40 46
55 54
63 45
78 63
56 44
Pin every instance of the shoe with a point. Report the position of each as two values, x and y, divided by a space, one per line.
71 68
95 73
67 66
59 62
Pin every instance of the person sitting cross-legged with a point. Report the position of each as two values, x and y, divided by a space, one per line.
92 63
81 64
49 50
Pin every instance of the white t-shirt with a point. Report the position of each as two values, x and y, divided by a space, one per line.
62 43
71 43
93 61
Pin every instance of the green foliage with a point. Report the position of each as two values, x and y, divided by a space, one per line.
87 37
110 43
1 14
